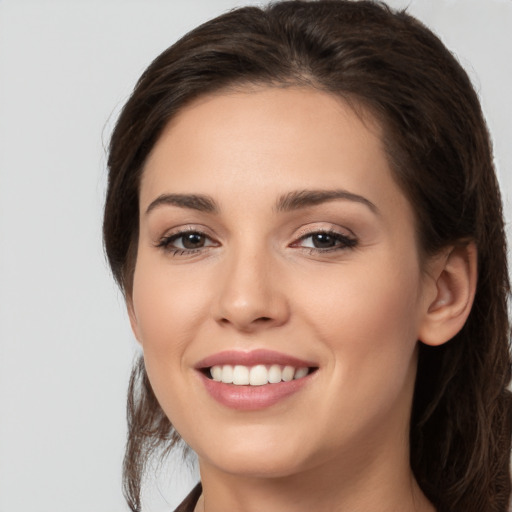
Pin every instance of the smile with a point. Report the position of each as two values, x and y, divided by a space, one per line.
258 375
254 380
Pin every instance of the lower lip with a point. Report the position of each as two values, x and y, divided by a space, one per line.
250 398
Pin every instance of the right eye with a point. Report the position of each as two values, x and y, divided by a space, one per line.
186 242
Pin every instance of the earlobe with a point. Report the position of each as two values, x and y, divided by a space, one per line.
455 277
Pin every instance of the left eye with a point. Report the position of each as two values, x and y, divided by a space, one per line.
326 240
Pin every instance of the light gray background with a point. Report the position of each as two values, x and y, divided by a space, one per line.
66 67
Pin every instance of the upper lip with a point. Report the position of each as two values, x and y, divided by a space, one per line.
252 358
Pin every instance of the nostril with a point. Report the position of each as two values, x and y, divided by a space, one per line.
247 323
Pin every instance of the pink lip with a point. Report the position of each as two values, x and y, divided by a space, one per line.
249 398
252 358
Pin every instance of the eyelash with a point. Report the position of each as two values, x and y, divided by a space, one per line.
166 241
342 242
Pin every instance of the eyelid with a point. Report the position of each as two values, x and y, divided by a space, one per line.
343 241
166 241
313 228
348 241
344 238
174 238
184 229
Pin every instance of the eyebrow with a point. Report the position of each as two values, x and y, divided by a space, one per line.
304 198
198 202
288 202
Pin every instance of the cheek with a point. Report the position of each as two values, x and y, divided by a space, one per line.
168 307
369 321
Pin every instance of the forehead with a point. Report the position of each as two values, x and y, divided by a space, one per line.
268 138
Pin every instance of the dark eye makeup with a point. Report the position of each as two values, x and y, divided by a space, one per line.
192 241
186 242
324 241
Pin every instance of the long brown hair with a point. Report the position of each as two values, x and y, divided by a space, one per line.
438 147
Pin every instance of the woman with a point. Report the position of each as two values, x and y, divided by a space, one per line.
303 216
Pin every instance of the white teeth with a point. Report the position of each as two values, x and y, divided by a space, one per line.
300 372
227 374
274 374
240 375
216 372
258 375
288 373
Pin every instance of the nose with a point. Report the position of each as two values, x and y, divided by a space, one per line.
251 293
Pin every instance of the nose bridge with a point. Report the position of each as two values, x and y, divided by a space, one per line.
250 295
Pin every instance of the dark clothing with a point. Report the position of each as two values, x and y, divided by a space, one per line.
189 503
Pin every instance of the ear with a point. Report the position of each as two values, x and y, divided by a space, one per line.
451 295
133 319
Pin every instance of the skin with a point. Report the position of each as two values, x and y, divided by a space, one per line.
357 309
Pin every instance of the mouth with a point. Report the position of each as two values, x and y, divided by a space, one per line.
257 375
256 379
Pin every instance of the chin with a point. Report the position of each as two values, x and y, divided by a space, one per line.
257 466
256 458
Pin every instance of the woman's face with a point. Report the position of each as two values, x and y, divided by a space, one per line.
273 235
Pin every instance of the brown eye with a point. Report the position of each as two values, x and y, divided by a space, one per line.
192 240
326 240
323 240
186 241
